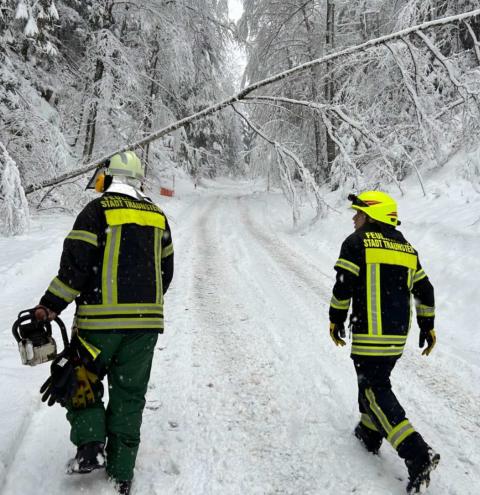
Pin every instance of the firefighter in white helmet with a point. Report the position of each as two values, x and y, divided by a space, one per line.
117 264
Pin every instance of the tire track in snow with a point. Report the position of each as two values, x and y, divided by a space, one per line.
271 414
240 415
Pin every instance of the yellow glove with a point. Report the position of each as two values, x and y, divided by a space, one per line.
429 337
88 388
337 331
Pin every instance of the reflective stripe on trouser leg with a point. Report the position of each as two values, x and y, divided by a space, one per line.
394 434
367 422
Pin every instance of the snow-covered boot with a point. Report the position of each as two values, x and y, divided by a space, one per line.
90 456
123 487
370 439
419 470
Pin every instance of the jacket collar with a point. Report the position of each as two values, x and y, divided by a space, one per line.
127 189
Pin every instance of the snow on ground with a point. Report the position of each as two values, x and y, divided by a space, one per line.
248 395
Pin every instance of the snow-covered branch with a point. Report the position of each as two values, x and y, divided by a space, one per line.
283 152
323 109
210 110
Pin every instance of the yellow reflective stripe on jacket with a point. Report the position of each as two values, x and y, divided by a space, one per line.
83 235
392 350
419 276
119 309
410 279
121 216
374 307
363 338
94 351
110 265
378 345
390 257
366 421
62 290
348 265
158 270
339 304
119 323
428 311
398 434
167 251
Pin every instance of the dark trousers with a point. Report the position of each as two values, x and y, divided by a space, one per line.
128 361
380 410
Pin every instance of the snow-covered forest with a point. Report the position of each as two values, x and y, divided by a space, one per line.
261 123
82 79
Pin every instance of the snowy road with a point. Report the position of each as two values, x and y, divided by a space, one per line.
248 395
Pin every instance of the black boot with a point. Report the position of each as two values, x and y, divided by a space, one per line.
90 456
370 439
419 470
123 487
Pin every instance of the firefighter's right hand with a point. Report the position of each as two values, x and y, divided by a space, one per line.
337 331
429 337
43 313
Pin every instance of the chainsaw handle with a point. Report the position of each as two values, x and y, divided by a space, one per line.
63 330
29 314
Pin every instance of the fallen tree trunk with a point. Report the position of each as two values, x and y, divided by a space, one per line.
249 89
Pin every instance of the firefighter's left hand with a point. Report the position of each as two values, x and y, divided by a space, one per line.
429 337
337 331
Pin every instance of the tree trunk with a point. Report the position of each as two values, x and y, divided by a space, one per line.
329 85
147 120
317 131
92 113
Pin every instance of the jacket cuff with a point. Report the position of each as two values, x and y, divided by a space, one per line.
425 323
53 303
337 316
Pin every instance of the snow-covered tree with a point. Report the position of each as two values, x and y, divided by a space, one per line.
14 211
384 108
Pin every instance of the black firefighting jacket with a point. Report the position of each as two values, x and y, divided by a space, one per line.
117 263
379 271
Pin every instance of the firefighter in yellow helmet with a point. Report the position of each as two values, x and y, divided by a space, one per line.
377 272
116 264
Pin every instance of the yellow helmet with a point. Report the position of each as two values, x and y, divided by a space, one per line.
377 205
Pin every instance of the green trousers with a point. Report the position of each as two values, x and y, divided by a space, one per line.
128 361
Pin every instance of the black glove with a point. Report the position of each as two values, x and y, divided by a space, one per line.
62 382
337 331
429 337
74 379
